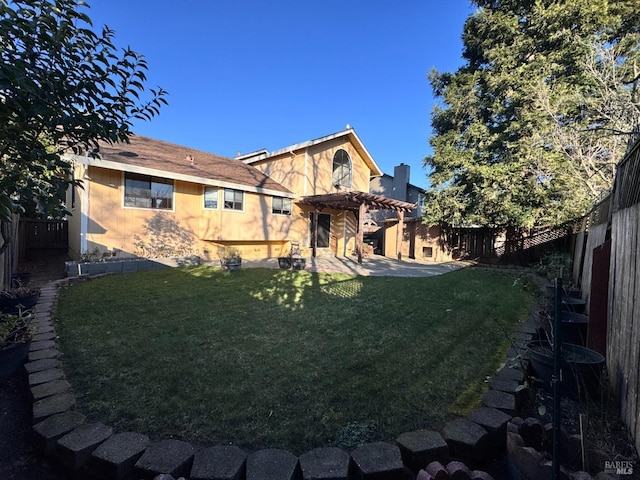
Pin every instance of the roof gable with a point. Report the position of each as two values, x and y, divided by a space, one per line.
349 132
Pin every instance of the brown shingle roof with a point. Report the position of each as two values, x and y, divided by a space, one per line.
169 158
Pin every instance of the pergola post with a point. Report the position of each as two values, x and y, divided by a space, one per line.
362 211
400 234
314 232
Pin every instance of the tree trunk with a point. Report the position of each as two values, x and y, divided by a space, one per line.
8 250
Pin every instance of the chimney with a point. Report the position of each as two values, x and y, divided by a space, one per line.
400 182
190 159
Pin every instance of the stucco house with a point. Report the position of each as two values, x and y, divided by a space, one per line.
151 197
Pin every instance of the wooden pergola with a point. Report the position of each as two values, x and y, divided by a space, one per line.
359 203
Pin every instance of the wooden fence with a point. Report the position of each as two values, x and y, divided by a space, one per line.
617 218
623 329
44 234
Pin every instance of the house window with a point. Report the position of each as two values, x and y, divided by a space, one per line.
145 191
281 206
233 199
341 169
427 252
211 197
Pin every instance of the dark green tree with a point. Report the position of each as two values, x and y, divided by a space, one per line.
63 88
528 131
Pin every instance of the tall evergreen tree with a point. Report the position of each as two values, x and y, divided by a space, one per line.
529 129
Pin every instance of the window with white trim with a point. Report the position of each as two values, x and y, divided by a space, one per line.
211 197
281 206
145 191
233 199
342 171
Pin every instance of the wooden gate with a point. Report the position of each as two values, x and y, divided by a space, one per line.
44 234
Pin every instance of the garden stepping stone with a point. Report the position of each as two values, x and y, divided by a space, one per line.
467 441
436 471
44 327
480 475
503 401
44 344
74 449
330 463
50 388
46 353
45 376
421 447
43 364
166 456
512 374
59 403
458 471
272 464
503 385
219 463
116 457
378 460
495 422
47 432
38 337
533 433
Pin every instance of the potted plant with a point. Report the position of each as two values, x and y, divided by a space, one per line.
581 367
16 333
17 299
285 262
230 258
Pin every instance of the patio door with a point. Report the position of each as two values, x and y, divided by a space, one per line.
324 229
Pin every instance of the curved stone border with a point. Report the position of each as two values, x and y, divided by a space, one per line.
94 450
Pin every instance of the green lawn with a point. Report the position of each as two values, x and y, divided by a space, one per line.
284 359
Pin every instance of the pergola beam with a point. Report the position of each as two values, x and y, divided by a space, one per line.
358 203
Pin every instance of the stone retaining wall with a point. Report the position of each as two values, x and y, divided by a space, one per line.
94 450
126 265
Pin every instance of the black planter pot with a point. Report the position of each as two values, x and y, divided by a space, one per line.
13 305
231 265
573 304
298 263
284 262
581 368
574 328
12 358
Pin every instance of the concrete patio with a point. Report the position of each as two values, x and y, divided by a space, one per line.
375 265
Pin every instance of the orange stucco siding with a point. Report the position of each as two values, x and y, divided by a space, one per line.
187 227
308 171
419 241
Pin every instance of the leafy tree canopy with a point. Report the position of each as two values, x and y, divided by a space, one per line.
528 131
63 87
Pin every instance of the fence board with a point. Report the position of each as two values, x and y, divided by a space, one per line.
596 237
578 257
623 349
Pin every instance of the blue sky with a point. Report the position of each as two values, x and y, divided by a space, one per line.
249 74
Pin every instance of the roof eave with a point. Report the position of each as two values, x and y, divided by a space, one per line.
125 167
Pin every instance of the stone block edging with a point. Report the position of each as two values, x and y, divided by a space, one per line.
65 437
